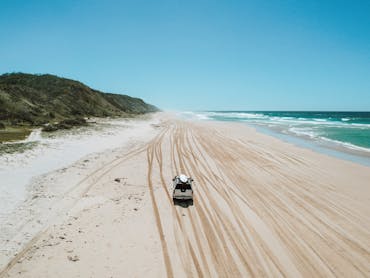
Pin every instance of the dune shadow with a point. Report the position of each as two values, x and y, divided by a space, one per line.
183 203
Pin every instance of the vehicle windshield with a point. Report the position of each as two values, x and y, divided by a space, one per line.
183 186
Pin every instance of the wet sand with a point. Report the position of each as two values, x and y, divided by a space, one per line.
262 207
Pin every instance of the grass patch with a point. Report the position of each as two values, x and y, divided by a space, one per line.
14 134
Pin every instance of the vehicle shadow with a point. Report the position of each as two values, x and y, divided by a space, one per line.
183 203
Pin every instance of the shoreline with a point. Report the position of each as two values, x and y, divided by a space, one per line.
306 131
335 151
245 181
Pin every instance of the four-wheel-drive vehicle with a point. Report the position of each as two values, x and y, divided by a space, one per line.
182 188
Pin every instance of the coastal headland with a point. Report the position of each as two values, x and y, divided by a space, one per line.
46 101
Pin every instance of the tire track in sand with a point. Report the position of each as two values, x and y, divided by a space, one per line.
150 157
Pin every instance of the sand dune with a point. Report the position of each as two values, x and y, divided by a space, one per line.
262 207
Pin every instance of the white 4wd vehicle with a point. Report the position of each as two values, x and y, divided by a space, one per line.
182 188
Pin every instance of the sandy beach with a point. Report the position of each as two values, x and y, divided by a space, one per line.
262 208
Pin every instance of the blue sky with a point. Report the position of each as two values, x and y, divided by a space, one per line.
199 55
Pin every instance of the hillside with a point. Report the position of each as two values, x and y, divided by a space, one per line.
28 99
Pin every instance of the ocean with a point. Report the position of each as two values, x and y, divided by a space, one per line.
344 132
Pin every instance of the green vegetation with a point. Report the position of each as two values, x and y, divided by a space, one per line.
28 100
13 134
65 124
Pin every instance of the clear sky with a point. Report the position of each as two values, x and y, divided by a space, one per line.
199 55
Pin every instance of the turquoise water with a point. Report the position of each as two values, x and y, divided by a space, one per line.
346 130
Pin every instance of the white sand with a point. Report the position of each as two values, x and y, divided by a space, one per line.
262 207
